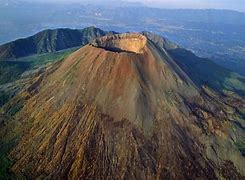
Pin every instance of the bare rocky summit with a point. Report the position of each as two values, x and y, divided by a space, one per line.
132 42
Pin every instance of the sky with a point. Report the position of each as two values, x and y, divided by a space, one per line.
238 5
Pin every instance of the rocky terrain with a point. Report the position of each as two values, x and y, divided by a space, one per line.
121 108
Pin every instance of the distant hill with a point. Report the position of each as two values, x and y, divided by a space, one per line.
48 41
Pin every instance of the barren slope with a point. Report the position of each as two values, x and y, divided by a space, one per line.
120 108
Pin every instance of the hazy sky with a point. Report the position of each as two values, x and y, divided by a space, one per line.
217 4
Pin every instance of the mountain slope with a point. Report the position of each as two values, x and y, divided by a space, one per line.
202 71
205 72
120 107
48 41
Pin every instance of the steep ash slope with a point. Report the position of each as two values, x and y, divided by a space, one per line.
121 108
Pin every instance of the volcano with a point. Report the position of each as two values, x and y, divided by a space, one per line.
121 108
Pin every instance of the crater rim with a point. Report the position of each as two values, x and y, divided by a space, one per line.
126 42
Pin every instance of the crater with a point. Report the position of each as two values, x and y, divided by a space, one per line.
128 42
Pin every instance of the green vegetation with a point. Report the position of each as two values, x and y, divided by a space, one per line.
205 72
5 162
235 82
42 59
48 41
12 70
241 146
